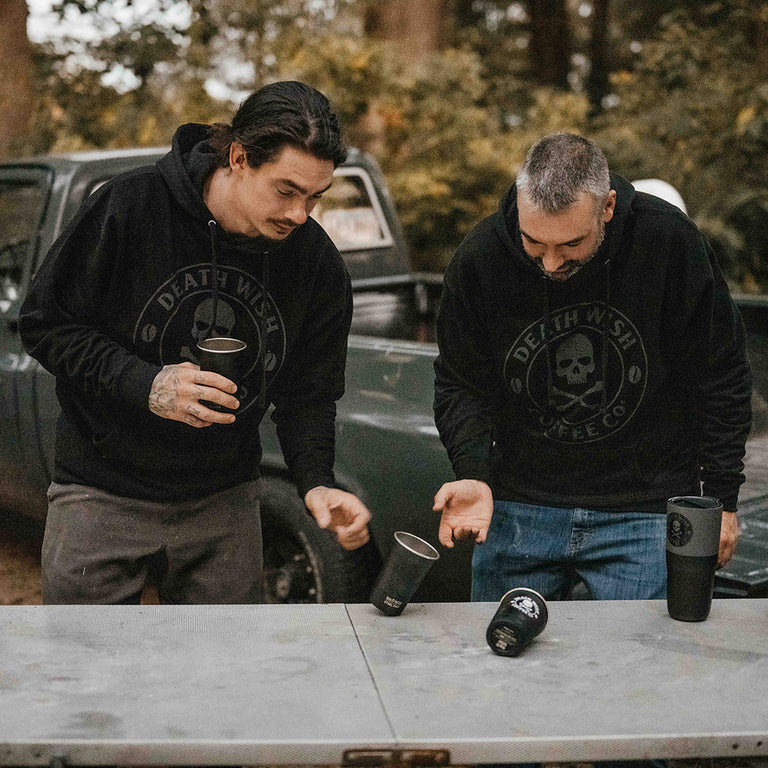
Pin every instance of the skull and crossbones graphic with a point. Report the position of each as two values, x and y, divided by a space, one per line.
575 367
204 324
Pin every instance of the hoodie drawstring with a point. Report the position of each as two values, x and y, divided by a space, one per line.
214 232
213 228
263 333
547 336
604 328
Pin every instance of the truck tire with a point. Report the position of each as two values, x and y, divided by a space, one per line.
304 564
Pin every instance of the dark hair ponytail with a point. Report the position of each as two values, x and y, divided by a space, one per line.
284 113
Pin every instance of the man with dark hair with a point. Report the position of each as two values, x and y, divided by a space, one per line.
592 364
148 475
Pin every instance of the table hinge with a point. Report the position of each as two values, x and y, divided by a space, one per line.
393 758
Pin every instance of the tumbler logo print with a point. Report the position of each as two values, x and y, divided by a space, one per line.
679 529
525 605
180 313
570 402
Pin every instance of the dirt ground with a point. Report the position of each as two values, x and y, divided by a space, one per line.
19 565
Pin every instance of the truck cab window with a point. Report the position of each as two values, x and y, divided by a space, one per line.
351 214
20 208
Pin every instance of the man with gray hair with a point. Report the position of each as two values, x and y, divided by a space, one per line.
592 364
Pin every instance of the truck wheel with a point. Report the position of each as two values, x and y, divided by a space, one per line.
304 564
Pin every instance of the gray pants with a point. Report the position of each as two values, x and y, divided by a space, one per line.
101 549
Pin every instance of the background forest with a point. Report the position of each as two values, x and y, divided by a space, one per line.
446 94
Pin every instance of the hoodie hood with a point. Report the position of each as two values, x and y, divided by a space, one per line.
185 170
186 167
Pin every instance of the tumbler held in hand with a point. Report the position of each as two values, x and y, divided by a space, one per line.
224 356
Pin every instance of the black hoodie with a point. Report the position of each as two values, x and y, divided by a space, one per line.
615 389
127 289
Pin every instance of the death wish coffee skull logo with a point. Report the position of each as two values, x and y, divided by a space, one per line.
180 313
558 377
526 605
679 529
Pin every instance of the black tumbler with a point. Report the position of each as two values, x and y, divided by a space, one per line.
224 356
693 541
407 565
521 616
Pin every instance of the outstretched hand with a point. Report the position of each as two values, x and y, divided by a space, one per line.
467 507
341 512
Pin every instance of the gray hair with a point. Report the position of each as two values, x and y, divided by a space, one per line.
559 169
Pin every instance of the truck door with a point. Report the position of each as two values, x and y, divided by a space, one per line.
24 192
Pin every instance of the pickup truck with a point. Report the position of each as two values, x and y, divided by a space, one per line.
388 449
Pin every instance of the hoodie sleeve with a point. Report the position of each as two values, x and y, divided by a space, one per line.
464 375
61 322
313 379
711 354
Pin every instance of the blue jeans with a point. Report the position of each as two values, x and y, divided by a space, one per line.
617 555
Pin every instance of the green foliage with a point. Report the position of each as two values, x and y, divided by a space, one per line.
445 158
689 88
695 113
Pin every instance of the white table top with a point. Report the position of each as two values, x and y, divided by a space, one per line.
189 684
603 680
269 685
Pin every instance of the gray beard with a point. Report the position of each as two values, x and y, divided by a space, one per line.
575 266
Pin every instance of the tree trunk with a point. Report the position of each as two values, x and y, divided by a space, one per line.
550 43
597 82
17 94
761 37
420 27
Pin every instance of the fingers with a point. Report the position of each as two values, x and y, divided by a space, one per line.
349 521
353 540
203 397
322 516
441 498
208 388
451 529
182 393
341 512
464 532
214 380
725 553
445 533
729 536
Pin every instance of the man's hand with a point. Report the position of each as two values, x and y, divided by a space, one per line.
467 507
178 389
341 512
729 534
